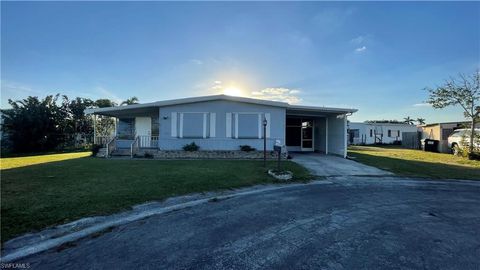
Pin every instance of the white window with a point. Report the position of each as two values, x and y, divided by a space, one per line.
247 125
193 124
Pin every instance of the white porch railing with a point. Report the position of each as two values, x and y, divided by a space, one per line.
111 146
148 141
134 147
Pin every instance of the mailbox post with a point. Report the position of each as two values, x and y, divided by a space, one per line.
278 149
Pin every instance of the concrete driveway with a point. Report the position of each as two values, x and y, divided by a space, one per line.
328 165
343 223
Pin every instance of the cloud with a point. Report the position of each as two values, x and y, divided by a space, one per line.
278 94
196 61
422 105
217 86
357 40
361 49
15 91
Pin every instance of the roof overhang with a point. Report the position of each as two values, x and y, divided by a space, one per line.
138 109
317 111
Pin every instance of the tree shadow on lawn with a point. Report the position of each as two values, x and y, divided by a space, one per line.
415 168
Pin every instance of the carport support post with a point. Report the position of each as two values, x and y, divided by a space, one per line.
94 129
265 142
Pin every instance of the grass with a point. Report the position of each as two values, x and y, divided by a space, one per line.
416 163
40 191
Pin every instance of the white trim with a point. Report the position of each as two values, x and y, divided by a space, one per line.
213 118
236 124
267 117
173 127
228 125
181 126
345 136
326 135
311 149
260 126
204 125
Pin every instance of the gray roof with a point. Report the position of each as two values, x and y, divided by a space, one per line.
171 102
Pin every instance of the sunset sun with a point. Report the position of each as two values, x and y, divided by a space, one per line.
233 91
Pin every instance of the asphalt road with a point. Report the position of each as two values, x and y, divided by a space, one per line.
351 223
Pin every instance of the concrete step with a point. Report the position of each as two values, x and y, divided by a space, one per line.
121 152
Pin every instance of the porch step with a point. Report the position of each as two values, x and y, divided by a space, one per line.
121 152
102 152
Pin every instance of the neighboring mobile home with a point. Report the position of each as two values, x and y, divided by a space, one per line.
223 122
372 133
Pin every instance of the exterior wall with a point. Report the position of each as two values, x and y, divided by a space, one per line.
320 134
337 134
364 130
220 141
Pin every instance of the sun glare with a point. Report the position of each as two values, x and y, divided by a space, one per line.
232 91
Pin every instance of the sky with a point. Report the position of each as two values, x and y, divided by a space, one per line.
376 57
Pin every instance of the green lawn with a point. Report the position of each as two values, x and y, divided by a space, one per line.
57 190
416 163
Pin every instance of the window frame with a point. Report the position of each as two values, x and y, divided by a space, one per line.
204 125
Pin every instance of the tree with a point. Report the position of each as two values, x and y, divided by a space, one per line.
102 103
81 122
35 125
130 101
463 91
408 120
421 121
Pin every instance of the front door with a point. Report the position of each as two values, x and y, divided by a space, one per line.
143 129
307 135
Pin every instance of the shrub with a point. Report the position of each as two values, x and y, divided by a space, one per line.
148 155
247 148
95 149
191 147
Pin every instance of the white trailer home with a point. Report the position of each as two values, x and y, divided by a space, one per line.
382 133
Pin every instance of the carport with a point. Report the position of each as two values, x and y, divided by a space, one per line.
317 129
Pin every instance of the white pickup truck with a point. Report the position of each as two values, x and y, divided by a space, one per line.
456 139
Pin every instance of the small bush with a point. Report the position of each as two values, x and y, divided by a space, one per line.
247 148
95 149
191 147
397 142
148 155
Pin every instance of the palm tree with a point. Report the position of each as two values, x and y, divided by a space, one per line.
130 101
408 120
421 121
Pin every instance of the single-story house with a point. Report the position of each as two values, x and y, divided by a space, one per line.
441 131
222 122
372 133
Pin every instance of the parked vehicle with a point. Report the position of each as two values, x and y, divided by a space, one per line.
461 138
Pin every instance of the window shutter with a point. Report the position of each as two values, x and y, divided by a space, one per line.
205 125
260 124
173 121
267 117
228 125
213 119
181 126
236 125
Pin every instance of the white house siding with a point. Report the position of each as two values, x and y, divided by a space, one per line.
320 134
336 128
364 132
221 141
